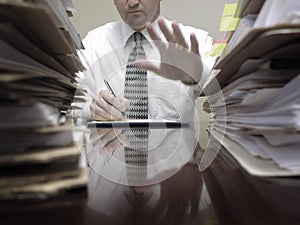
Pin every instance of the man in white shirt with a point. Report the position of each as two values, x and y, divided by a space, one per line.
107 48
175 68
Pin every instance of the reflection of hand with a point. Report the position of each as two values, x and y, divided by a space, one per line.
178 194
108 140
178 60
108 107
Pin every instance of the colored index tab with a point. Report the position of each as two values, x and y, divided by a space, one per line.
216 50
229 23
229 9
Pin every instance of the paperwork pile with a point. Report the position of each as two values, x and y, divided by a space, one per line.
254 98
263 115
38 62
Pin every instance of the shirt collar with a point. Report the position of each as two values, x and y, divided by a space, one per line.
127 31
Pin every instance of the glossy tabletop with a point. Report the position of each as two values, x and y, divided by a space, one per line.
175 193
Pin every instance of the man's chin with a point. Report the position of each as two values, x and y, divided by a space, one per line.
137 26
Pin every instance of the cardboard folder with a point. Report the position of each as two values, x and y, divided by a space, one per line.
49 34
257 44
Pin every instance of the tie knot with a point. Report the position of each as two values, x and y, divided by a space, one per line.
138 37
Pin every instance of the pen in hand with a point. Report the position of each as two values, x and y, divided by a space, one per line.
112 92
109 157
109 88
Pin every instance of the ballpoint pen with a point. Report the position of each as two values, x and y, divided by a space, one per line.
112 92
109 88
109 157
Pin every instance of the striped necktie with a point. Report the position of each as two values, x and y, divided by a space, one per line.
136 91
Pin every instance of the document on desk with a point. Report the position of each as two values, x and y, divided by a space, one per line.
143 123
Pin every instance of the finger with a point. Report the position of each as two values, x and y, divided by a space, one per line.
95 140
123 139
102 132
107 96
111 141
154 36
178 35
161 69
93 134
120 138
121 103
105 109
114 101
125 102
96 110
98 113
105 137
194 44
97 145
146 65
113 146
165 30
110 135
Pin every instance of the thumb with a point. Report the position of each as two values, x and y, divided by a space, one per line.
147 65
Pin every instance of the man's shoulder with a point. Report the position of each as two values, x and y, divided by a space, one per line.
103 38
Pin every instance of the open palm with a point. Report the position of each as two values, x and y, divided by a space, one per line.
179 61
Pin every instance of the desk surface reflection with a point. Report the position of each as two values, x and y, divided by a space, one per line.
223 194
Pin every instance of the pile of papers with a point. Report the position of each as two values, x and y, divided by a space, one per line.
261 112
254 89
38 63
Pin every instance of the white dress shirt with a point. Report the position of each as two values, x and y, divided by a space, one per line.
105 56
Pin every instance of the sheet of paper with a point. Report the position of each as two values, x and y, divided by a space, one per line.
11 35
145 123
275 12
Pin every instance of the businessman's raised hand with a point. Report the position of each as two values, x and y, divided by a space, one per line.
179 61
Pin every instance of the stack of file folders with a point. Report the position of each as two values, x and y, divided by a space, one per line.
38 62
255 96
260 112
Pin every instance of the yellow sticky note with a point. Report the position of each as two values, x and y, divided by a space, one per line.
229 9
229 23
217 49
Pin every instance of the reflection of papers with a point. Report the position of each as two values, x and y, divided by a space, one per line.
17 140
44 189
134 123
